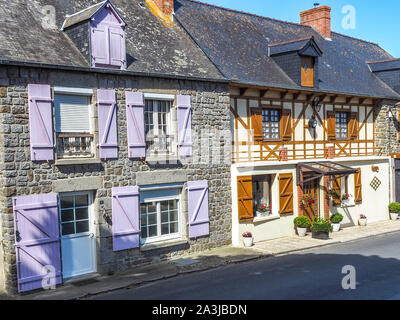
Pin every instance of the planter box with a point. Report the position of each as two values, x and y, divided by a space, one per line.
320 235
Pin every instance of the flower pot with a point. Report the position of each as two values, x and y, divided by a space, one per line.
301 231
248 242
336 227
320 235
260 214
362 222
394 216
345 203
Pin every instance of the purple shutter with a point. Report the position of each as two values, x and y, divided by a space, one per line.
40 122
37 239
100 54
125 218
107 110
199 221
117 47
135 124
184 126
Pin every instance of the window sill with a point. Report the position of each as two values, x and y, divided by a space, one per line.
163 158
66 162
162 245
346 205
267 218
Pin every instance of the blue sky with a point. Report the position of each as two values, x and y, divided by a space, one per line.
376 20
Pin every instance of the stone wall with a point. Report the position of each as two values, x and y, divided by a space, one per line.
19 176
386 129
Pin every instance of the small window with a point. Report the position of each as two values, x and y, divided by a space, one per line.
73 126
270 123
262 194
74 213
342 121
158 127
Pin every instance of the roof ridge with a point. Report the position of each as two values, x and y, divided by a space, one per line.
83 10
290 41
385 60
359 39
248 13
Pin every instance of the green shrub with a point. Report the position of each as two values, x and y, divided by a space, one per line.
394 207
336 218
321 225
302 222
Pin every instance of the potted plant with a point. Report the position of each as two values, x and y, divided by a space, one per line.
302 223
307 199
346 199
336 219
321 228
363 220
394 209
332 194
263 210
247 239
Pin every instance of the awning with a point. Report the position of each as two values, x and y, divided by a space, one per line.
309 171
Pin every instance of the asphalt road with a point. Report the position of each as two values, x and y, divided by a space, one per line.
312 274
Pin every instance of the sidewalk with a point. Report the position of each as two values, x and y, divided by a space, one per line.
206 260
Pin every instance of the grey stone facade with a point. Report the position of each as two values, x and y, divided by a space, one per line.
20 176
80 35
386 129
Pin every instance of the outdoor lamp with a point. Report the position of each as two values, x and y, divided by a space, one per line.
312 123
316 104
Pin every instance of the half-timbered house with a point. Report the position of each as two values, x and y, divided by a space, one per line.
309 117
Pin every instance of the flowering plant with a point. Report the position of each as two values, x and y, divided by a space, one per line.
362 216
346 196
308 199
264 208
332 193
247 234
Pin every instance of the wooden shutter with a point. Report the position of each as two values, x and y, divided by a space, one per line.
357 187
125 218
337 188
199 220
100 52
107 114
307 72
353 126
285 194
286 125
117 47
256 123
135 124
185 144
331 125
37 242
245 198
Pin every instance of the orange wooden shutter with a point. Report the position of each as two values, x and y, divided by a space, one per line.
245 198
353 126
337 188
256 123
286 194
331 125
357 187
286 125
307 72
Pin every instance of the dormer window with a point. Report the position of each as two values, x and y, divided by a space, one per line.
106 36
307 71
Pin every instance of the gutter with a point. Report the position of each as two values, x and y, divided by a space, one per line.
108 71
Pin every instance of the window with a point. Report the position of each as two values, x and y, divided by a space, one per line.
73 126
262 192
307 71
270 124
342 121
74 213
158 127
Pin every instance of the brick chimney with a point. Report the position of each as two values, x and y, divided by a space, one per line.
166 6
319 18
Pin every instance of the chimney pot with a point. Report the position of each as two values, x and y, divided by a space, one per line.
319 18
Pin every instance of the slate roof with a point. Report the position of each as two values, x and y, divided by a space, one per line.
384 65
237 43
151 47
83 15
300 46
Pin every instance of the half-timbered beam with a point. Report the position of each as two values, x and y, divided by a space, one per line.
242 91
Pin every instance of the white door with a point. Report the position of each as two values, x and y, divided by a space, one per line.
78 246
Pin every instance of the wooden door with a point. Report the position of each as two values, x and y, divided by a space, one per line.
307 72
311 188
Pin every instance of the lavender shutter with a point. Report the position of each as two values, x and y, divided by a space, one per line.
125 218
135 124
184 126
100 54
117 47
107 111
40 122
199 222
37 239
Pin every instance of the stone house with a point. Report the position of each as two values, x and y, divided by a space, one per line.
107 111
313 117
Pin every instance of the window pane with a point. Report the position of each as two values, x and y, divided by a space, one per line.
151 207
173 216
164 228
81 201
164 205
82 213
67 215
82 226
152 218
174 227
67 228
67 202
164 216
152 231
144 232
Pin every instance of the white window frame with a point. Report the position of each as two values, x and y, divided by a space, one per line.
161 238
